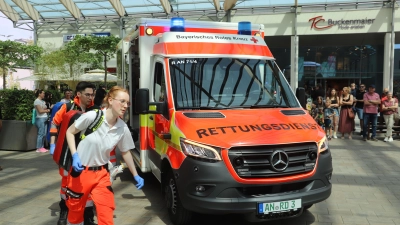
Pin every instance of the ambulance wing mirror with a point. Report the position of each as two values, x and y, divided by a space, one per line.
142 103
301 96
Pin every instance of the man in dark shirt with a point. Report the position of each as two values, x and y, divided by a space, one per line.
318 92
360 105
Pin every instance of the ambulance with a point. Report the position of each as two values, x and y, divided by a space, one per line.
220 127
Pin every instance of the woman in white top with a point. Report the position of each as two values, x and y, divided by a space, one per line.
41 120
89 175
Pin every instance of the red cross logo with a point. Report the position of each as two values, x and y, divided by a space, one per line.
254 40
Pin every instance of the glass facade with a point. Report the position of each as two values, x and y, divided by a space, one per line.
333 64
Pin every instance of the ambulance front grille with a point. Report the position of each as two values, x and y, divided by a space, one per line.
255 161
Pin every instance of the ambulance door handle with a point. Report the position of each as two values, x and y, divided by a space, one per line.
151 117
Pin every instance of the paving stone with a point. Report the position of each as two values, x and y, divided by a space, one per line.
366 190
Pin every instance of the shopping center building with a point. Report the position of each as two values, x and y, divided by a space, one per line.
333 43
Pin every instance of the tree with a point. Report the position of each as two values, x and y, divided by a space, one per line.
104 46
14 54
68 60
77 52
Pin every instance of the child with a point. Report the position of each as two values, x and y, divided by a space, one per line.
328 114
320 117
313 111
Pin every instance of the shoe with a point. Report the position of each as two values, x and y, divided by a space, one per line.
350 137
390 139
365 139
374 139
63 217
41 150
88 216
334 136
386 139
329 138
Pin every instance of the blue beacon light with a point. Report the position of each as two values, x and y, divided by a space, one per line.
244 28
177 24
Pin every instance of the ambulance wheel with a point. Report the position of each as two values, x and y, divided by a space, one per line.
307 206
177 213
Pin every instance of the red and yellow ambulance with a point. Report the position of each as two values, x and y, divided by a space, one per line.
220 127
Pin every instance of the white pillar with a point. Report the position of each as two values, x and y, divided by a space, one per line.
386 60
294 53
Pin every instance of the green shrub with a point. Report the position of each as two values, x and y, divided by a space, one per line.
17 104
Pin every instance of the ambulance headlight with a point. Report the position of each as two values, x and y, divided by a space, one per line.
177 24
200 151
323 145
244 28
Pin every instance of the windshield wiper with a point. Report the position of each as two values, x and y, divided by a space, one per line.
268 106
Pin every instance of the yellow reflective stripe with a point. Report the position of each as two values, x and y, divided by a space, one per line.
143 120
176 134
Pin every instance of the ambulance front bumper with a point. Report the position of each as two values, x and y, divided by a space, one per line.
209 188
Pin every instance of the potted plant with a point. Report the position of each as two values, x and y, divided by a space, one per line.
18 133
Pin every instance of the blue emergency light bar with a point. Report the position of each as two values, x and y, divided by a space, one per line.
244 28
177 24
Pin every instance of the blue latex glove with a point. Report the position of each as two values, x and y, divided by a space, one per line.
76 163
52 148
139 180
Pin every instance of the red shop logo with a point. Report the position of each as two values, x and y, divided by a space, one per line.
316 20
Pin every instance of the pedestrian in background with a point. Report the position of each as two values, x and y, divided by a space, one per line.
346 123
359 106
335 106
67 96
371 104
389 107
99 96
353 90
41 119
329 113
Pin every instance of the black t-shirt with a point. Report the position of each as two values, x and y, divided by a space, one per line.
360 96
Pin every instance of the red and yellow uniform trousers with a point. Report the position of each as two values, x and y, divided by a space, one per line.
94 182
64 176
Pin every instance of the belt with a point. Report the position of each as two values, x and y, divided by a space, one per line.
95 168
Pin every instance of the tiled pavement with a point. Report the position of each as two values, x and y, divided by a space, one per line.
366 190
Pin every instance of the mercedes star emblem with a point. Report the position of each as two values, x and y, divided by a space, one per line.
279 160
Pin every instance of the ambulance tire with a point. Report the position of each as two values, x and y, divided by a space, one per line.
307 206
177 213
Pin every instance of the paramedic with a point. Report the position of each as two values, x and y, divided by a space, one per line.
88 175
83 101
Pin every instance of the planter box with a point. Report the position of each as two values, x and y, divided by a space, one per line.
18 135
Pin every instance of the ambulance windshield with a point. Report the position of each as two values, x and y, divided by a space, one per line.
224 83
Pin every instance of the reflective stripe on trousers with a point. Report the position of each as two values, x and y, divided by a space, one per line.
64 183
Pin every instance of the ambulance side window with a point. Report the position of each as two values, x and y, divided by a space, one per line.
159 83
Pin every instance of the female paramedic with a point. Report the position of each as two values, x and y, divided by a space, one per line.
88 175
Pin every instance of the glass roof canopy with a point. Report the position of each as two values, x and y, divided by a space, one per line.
62 10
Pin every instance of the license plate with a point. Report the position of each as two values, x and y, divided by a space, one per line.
274 207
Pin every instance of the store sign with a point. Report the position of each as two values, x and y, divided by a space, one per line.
70 37
102 34
319 23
